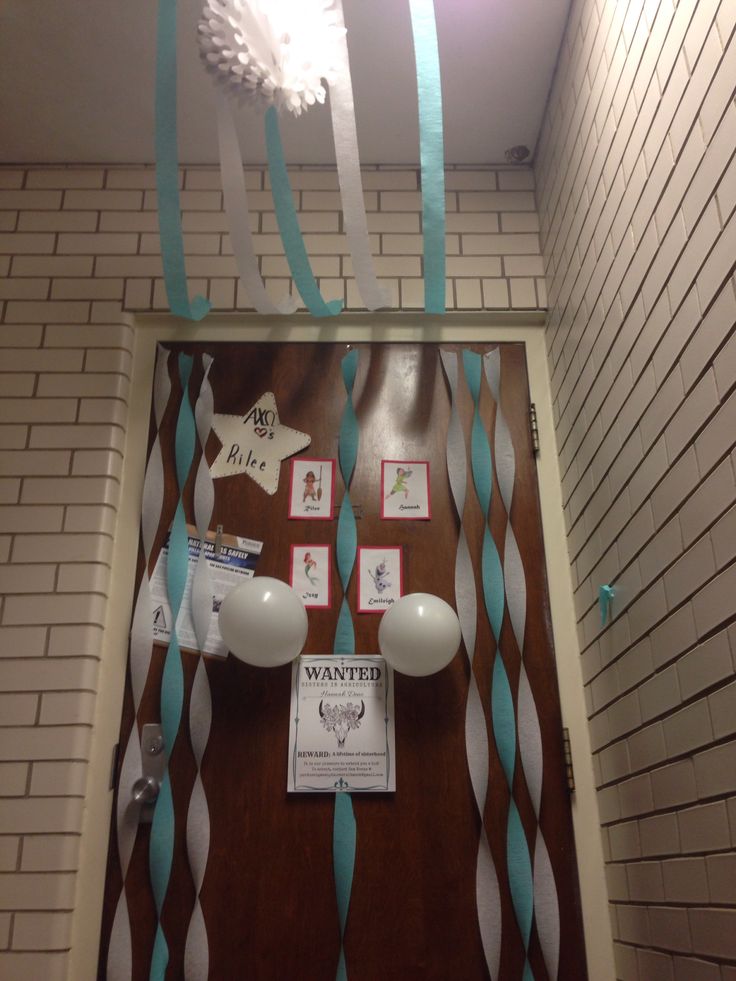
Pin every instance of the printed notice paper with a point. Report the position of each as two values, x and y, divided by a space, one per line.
341 733
235 563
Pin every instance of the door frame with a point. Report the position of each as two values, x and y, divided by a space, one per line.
411 328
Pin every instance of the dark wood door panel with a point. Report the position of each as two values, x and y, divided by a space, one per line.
268 897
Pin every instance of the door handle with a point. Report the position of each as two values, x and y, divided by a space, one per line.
145 790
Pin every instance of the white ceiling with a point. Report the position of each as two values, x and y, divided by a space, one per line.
77 82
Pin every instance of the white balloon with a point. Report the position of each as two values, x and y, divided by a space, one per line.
419 634
263 622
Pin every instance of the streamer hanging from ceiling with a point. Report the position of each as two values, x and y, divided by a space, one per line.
431 152
276 56
167 171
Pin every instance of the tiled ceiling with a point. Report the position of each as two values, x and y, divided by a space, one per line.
77 82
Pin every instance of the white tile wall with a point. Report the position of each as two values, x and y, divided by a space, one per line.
635 190
79 249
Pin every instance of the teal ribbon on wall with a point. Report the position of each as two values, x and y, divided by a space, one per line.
431 152
161 846
605 599
503 718
344 832
286 217
167 171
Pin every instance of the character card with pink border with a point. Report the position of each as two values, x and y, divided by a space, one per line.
405 490
380 577
310 575
312 489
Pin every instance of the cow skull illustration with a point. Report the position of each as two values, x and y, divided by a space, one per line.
340 719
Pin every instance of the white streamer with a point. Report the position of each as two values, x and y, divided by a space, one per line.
120 953
196 952
345 135
204 501
546 904
487 894
236 208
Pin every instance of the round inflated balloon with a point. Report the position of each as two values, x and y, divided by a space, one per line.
263 622
419 634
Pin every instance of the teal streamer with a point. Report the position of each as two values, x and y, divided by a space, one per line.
431 152
520 871
343 857
605 599
167 170
286 217
503 716
503 719
344 832
347 538
347 529
161 846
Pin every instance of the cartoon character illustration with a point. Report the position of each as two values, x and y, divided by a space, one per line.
312 486
309 489
309 565
380 577
400 483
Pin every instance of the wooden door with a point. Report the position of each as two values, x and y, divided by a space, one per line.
269 897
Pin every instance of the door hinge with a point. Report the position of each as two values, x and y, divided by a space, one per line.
567 751
533 427
114 763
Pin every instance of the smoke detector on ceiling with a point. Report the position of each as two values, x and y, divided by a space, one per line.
517 154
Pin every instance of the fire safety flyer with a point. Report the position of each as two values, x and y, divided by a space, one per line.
341 731
230 564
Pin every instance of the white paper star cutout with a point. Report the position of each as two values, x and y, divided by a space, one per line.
256 443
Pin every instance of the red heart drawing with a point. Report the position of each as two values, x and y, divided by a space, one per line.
260 431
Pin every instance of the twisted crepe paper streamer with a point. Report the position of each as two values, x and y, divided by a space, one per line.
431 152
344 830
236 208
161 845
487 895
167 170
196 952
546 904
351 186
120 953
502 703
286 217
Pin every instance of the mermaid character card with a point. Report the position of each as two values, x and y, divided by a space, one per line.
312 488
311 575
405 490
380 577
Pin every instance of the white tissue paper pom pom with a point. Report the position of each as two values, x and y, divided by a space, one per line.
272 52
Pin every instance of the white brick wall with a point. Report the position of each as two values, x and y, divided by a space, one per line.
635 188
79 250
